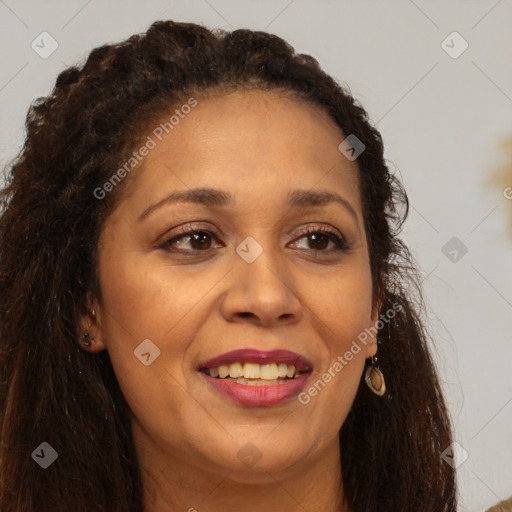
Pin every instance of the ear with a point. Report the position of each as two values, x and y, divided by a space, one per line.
371 346
90 328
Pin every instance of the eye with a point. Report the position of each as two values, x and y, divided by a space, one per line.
198 240
320 239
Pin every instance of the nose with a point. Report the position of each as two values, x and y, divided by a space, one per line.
262 292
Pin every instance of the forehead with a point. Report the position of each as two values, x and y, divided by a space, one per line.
247 141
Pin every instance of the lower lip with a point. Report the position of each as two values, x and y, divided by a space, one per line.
258 396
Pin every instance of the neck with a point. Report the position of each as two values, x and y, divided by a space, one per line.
175 483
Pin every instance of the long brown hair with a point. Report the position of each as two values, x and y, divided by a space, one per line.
53 391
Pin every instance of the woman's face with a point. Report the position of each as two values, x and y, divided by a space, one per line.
251 277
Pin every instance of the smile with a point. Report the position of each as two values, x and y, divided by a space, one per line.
254 378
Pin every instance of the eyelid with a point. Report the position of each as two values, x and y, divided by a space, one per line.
322 228
189 227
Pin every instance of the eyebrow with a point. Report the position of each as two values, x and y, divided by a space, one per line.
214 198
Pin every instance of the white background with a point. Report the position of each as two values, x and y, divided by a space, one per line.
445 122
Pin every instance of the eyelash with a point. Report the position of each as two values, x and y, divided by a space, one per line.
189 230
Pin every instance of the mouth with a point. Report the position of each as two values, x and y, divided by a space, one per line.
256 378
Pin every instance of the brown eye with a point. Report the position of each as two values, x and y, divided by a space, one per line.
319 239
198 240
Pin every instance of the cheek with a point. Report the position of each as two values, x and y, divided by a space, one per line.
132 301
344 305
144 303
143 300
342 312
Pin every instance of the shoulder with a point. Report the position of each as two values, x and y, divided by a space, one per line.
502 506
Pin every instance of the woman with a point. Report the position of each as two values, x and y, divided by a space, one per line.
205 304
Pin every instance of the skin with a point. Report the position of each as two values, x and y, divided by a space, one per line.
258 146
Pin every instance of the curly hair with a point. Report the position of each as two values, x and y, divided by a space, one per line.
52 390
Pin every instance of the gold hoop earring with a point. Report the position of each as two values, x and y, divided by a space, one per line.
375 379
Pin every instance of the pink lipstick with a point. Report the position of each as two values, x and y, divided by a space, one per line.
257 378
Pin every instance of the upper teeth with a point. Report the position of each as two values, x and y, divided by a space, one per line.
254 371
